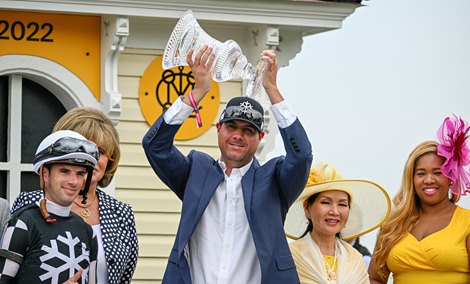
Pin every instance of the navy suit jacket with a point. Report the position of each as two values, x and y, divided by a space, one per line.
268 192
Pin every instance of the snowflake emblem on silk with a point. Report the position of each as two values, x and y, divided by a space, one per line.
246 106
71 261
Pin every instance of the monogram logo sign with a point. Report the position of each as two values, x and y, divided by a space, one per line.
159 88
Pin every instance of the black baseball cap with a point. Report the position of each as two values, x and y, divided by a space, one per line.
246 109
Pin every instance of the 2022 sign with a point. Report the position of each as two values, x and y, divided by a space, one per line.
29 32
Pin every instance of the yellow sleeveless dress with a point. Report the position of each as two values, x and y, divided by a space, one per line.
439 258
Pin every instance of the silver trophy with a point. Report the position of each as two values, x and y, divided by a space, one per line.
230 63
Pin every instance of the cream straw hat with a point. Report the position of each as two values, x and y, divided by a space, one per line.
370 203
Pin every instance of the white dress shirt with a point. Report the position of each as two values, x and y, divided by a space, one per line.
221 249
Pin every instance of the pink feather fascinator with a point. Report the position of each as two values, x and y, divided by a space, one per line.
452 138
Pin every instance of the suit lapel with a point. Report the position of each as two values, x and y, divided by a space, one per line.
213 179
247 188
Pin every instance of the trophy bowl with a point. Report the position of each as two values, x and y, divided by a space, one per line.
230 63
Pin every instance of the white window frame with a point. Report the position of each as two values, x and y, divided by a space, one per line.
62 83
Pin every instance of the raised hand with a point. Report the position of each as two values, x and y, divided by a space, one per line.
201 70
270 76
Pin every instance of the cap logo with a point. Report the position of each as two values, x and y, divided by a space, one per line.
246 106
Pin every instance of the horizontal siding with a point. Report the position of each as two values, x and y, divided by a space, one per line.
142 51
156 208
134 132
137 178
133 154
155 201
134 65
161 223
129 87
155 246
149 269
133 112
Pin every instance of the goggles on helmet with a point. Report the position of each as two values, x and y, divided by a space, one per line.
68 145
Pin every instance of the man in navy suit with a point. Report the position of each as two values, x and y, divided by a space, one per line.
231 228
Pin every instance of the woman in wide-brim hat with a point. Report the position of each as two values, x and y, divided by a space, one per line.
330 211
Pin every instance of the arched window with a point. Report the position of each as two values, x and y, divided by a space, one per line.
29 112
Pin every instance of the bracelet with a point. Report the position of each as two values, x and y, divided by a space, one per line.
196 109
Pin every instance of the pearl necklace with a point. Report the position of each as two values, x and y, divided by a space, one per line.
330 270
84 211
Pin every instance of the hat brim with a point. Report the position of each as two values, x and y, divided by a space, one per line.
370 207
241 118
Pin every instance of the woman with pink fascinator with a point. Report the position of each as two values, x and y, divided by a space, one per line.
426 239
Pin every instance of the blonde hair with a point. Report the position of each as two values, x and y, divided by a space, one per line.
406 209
96 127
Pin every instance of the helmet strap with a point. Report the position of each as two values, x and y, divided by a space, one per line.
87 185
42 204
41 179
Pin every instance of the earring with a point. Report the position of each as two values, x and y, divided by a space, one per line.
449 193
